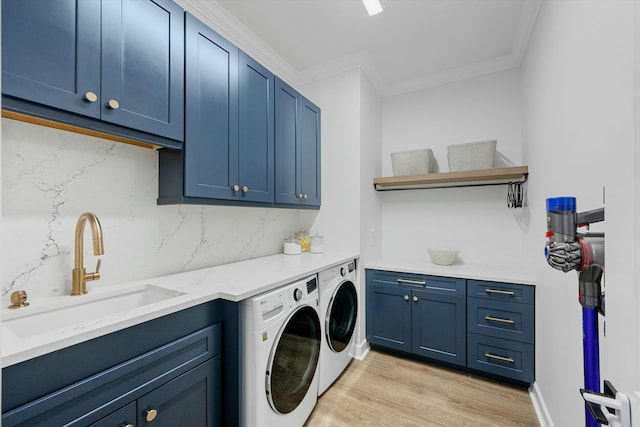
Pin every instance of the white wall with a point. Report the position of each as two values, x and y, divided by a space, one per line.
49 177
370 200
339 218
475 220
580 107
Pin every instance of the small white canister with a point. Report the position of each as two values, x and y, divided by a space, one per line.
291 246
317 244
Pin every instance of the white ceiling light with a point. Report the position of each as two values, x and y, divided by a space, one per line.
373 6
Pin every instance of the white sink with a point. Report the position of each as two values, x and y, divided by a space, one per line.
70 312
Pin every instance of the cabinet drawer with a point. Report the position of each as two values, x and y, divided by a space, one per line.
500 319
446 285
84 402
497 356
501 291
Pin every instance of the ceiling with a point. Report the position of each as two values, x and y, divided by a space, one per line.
412 44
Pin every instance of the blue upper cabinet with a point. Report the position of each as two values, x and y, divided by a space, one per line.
211 111
256 135
51 55
297 133
118 61
229 140
143 65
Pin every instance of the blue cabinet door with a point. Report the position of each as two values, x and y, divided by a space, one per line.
297 148
286 129
193 399
51 53
439 326
389 316
309 148
143 66
256 135
211 114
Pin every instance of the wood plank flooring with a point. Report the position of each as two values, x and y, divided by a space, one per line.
386 390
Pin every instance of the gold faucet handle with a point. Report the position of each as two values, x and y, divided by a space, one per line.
96 274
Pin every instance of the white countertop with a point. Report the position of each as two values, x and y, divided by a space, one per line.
494 273
233 282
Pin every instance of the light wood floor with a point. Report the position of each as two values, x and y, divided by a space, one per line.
386 390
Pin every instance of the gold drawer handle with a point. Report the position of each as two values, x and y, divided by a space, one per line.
496 291
504 359
498 319
413 282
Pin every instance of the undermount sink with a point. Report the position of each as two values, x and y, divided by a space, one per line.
75 311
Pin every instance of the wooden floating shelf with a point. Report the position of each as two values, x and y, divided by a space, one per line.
493 176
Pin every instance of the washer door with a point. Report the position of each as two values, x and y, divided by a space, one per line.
293 360
341 316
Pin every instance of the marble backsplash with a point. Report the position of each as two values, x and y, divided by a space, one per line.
50 177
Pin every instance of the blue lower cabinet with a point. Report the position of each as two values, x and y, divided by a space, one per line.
402 314
487 327
192 399
439 330
160 373
389 316
506 358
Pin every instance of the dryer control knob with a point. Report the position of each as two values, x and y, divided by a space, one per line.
343 271
297 294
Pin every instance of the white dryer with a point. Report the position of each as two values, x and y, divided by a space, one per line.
339 312
282 337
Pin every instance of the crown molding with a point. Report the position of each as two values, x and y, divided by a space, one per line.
359 60
218 18
526 24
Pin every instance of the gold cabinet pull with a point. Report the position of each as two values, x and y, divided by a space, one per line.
413 282
236 187
128 425
304 196
406 297
504 359
300 196
90 97
245 189
498 319
496 291
113 104
415 299
151 415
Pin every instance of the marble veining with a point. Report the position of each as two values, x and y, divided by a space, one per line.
50 177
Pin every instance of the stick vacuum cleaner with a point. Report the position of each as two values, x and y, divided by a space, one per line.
567 250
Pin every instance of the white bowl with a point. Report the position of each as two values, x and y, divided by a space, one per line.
441 256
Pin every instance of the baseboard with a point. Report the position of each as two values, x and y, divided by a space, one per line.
544 418
359 351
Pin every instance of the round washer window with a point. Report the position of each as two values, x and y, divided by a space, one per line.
293 363
341 316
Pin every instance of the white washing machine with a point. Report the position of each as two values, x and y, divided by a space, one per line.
282 337
338 315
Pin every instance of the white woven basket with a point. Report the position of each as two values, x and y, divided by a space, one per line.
471 155
413 162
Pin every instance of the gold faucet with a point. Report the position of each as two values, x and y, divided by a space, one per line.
80 276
